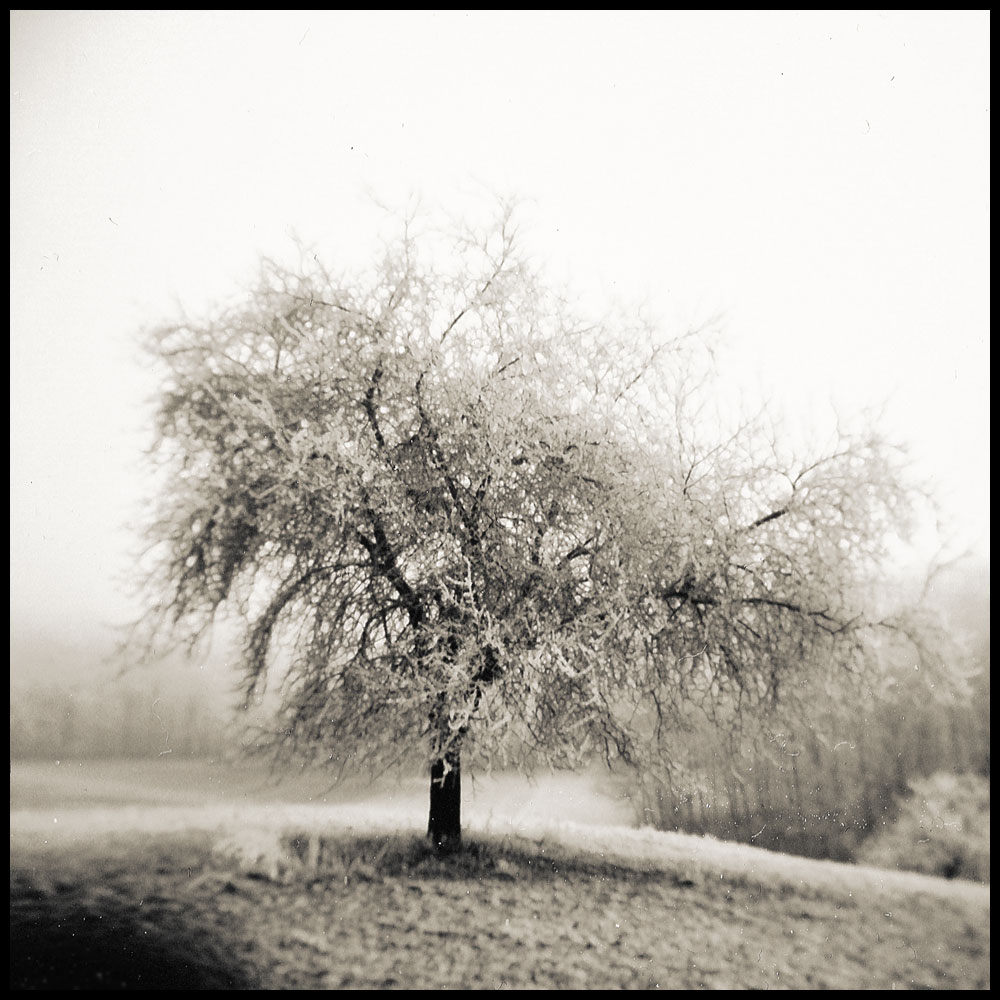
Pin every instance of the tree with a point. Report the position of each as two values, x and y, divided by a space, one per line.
450 514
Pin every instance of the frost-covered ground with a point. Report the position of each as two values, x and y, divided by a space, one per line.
574 811
62 802
275 887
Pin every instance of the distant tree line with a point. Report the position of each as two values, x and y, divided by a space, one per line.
798 792
50 721
819 792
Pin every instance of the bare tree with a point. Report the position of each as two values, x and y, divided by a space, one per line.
450 514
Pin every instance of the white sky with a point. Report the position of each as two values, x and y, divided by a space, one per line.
821 178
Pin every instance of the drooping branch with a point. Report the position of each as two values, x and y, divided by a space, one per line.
259 636
469 505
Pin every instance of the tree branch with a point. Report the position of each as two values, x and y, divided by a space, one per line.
369 407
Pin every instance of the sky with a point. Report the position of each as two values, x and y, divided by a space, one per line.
819 180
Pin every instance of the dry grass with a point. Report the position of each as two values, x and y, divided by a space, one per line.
192 876
342 911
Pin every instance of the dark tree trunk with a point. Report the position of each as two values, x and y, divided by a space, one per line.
445 824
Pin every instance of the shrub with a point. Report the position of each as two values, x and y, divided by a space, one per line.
943 828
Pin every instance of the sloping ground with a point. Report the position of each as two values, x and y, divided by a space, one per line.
300 896
254 830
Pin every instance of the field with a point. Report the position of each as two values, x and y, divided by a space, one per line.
196 877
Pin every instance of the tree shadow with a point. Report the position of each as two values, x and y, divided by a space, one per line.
63 944
481 858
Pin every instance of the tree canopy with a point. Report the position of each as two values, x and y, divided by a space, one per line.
453 514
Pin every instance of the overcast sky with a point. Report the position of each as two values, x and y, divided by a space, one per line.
821 179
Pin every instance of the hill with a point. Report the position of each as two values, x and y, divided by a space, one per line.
240 895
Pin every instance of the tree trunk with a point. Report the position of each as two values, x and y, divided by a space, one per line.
444 826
